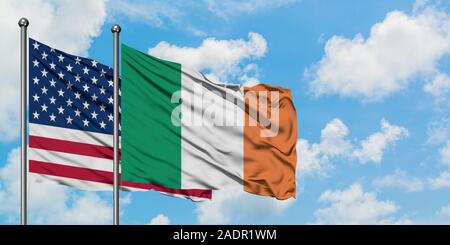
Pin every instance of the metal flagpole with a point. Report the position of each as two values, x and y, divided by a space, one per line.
116 30
23 23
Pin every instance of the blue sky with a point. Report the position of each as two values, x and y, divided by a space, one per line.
371 84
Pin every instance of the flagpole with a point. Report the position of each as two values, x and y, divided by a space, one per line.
116 30
23 23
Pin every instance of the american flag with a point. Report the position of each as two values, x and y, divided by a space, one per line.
71 123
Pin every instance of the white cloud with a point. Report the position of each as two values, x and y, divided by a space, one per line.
49 203
178 13
250 75
68 25
87 208
439 131
445 153
441 181
230 206
439 134
316 158
399 179
311 161
205 58
396 50
373 147
332 138
228 8
354 206
154 13
160 219
439 86
444 211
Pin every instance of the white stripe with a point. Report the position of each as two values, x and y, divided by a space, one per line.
212 156
76 183
74 135
79 184
69 159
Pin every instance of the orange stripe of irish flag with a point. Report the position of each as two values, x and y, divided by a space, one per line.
270 162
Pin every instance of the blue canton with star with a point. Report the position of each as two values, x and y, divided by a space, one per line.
69 91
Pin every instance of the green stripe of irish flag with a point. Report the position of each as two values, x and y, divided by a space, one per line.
151 143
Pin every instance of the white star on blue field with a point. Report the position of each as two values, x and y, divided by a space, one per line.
370 82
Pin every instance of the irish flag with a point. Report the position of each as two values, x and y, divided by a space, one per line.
181 130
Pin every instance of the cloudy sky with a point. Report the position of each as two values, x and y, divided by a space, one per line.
371 84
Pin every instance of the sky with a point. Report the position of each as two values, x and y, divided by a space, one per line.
370 81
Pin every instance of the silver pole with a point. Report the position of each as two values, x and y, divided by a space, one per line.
116 30
23 23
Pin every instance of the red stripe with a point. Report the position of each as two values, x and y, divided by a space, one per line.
106 178
71 147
